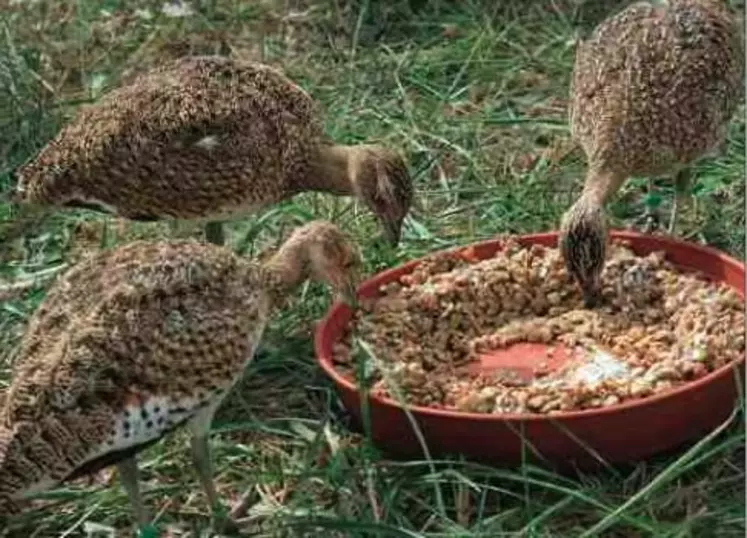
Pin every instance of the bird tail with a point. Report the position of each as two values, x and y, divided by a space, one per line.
19 220
23 210
12 290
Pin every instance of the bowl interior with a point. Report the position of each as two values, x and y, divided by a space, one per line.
524 360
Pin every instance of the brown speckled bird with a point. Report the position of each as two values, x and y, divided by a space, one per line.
207 138
653 89
136 341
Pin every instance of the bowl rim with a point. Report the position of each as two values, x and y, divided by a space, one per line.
325 359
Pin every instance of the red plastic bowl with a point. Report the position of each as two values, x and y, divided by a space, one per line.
629 431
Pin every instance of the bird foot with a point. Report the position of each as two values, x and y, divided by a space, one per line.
672 221
651 224
648 223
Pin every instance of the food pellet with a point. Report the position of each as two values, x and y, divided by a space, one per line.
655 329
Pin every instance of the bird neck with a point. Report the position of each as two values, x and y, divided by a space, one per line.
330 172
283 271
600 185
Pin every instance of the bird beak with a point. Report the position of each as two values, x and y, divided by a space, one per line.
349 294
591 297
393 232
346 288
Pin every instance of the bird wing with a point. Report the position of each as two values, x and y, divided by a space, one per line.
160 340
151 146
654 85
601 67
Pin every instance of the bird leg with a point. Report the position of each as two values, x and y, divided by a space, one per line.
673 215
128 476
651 213
682 183
202 461
214 233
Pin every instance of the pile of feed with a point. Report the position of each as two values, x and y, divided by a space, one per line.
655 328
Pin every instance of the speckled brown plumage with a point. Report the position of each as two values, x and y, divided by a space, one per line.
654 87
207 137
652 90
135 341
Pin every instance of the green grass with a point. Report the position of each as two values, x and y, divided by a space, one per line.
474 94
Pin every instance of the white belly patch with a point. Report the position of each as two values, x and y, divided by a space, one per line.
149 420
143 420
137 424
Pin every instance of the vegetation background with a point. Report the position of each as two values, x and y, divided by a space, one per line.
474 93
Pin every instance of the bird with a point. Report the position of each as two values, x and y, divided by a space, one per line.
206 139
653 89
136 341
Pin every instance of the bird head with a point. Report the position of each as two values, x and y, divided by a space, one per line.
320 251
583 245
383 183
